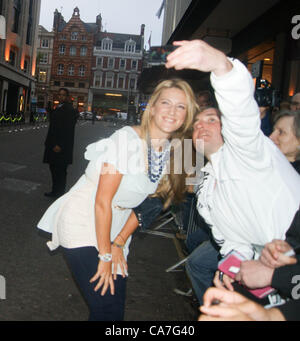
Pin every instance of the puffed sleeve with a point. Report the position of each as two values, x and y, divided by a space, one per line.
118 150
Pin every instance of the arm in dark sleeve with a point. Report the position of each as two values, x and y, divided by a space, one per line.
293 233
291 310
282 279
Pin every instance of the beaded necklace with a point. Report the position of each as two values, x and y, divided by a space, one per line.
156 161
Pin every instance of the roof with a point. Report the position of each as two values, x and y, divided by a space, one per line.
119 39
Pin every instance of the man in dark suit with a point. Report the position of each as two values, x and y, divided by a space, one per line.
59 143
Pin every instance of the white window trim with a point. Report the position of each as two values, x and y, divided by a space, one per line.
112 78
122 68
136 65
113 64
60 71
120 75
71 48
80 73
62 50
99 64
101 78
85 49
71 69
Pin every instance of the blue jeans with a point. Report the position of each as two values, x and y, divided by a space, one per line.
201 266
83 263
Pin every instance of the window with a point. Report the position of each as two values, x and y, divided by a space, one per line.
121 81
62 37
73 51
60 69
42 76
83 51
134 64
109 80
26 65
62 50
45 43
132 82
16 16
81 70
29 25
98 80
71 70
56 83
99 61
130 46
81 85
74 36
12 56
111 63
83 38
44 58
70 84
107 44
122 64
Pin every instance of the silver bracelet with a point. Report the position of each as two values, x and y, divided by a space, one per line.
105 258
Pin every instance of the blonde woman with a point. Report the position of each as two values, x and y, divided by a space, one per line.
93 222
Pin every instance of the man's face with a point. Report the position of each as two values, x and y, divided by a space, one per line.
207 127
295 104
62 96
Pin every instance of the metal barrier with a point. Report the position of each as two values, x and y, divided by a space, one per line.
15 122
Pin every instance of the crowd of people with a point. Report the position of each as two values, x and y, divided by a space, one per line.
246 201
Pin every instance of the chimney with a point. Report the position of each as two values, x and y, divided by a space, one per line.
99 23
143 30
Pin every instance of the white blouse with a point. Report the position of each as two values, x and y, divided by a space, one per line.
71 218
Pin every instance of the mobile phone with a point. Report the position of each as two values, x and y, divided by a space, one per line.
159 54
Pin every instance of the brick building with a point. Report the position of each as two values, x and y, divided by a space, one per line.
72 58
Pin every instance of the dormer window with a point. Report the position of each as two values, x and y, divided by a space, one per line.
107 44
130 46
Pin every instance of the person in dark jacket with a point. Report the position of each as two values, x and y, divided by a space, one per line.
59 143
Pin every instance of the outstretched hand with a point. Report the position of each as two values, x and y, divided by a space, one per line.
198 55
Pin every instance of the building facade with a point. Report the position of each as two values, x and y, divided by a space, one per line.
117 65
72 58
43 67
18 55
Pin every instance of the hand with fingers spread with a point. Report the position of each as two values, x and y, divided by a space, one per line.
104 274
234 307
198 55
225 283
273 254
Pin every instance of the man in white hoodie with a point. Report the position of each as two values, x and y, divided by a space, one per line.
249 193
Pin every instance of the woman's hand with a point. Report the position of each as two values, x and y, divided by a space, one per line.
105 278
118 259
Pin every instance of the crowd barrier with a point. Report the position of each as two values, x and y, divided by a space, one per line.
16 121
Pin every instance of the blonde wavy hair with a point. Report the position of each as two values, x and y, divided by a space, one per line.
172 186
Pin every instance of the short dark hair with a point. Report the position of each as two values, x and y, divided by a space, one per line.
65 90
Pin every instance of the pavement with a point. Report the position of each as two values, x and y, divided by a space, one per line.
38 284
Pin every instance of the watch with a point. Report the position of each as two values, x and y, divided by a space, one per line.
105 258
